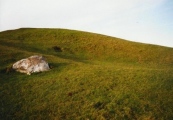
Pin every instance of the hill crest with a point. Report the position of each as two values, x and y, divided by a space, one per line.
84 45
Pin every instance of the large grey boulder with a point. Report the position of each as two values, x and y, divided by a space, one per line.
32 64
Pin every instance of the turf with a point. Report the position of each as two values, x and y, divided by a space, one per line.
93 77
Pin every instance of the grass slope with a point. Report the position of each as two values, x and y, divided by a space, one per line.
94 77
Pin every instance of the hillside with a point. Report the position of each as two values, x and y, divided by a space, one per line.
93 76
84 45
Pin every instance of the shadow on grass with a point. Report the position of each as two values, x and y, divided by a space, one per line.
8 74
72 57
57 66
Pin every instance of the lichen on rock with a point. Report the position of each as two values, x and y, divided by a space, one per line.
31 64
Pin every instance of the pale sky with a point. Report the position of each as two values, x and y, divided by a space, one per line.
146 21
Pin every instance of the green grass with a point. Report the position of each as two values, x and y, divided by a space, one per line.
95 77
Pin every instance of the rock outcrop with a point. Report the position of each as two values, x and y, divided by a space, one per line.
32 64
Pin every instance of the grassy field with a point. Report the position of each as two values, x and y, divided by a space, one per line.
93 77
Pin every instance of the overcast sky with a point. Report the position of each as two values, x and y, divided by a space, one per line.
147 21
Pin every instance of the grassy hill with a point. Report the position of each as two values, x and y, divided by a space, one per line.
93 77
